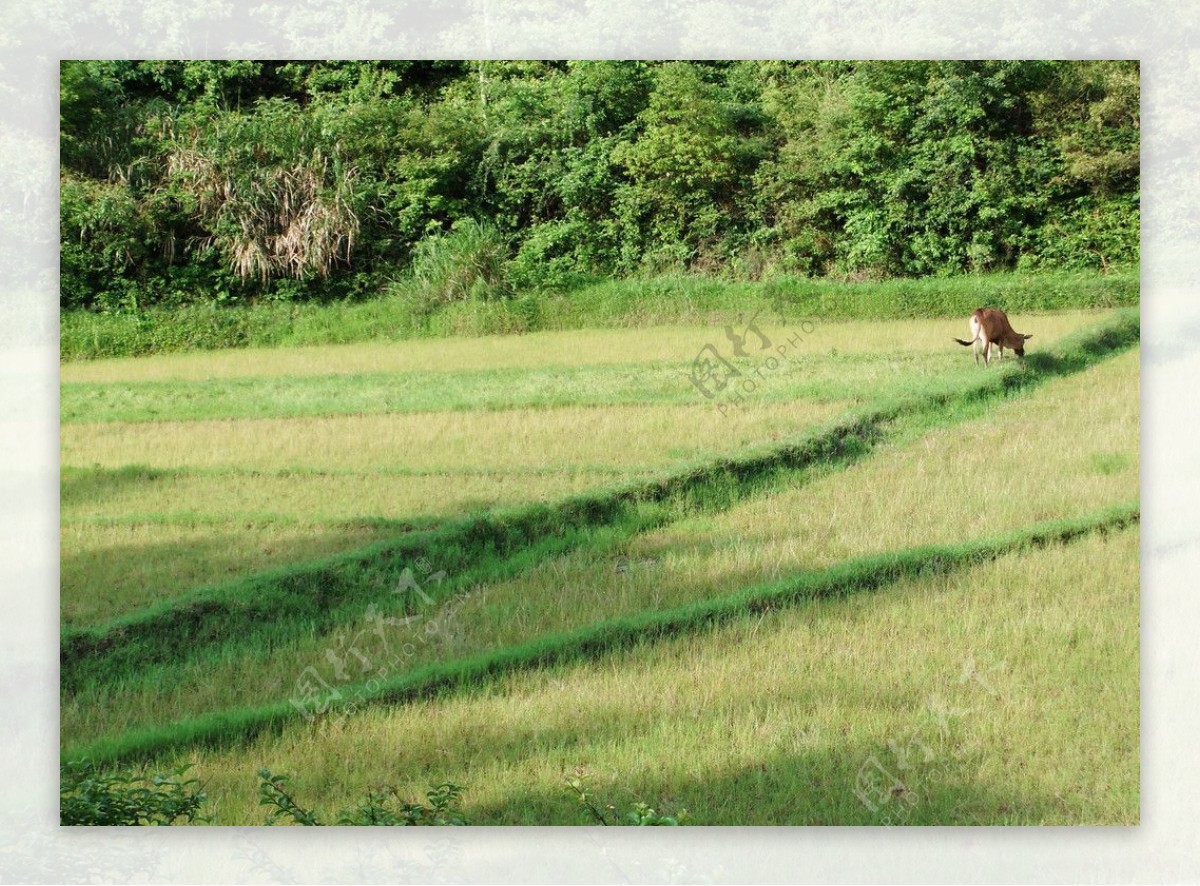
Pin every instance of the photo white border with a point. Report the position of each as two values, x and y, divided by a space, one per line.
36 36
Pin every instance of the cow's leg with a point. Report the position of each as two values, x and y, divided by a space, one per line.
975 349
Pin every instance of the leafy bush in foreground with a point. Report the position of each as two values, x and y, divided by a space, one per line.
91 797
383 806
641 814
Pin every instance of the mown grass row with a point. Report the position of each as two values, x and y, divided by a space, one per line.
294 491
824 362
318 596
231 726
776 718
268 607
421 392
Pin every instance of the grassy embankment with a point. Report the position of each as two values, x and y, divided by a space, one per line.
611 304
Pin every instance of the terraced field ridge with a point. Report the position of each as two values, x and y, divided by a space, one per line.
233 529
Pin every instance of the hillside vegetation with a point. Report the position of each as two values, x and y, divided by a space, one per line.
489 183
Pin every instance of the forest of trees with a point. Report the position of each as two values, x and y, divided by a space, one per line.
239 181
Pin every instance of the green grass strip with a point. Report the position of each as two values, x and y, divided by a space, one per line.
263 608
228 727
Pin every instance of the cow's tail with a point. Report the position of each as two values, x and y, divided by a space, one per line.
974 328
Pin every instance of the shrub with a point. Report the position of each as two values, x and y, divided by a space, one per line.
1095 235
465 264
88 796
105 234
383 806
559 255
291 211
641 814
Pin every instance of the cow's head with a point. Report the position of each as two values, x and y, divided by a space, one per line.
1021 350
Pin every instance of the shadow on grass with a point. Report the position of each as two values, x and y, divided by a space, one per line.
128 574
861 784
237 724
81 486
322 593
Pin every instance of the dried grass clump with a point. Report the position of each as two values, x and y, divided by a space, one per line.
272 220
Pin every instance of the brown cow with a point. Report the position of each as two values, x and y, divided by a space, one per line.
991 327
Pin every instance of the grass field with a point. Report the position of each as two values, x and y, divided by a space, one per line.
207 493
251 491
828 361
234 521
771 719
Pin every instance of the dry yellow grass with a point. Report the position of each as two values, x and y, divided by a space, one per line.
987 678
765 721
226 498
567 439
109 568
1059 451
571 348
336 496
1065 450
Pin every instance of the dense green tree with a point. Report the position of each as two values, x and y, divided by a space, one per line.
694 154
202 180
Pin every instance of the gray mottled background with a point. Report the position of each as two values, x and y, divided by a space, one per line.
34 36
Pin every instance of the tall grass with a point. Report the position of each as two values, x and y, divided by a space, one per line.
841 439
551 650
114 566
167 507
430 306
466 264
955 296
